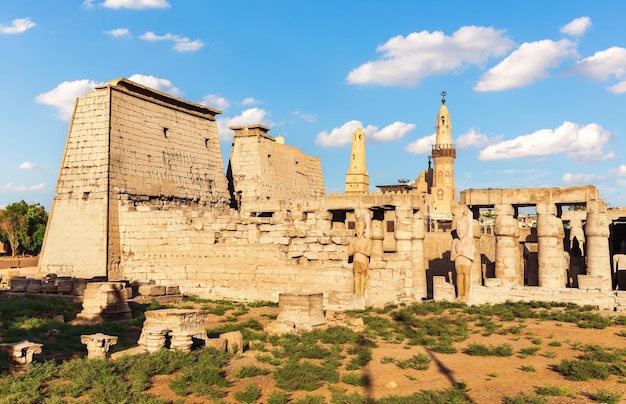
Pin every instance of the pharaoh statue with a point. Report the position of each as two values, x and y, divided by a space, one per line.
360 250
463 252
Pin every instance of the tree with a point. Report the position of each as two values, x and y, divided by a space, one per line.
23 226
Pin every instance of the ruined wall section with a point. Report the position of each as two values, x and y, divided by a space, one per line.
75 241
266 172
250 258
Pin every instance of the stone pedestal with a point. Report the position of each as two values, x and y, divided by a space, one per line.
443 290
304 310
181 324
104 301
98 344
20 355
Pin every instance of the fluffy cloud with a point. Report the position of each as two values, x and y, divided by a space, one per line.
118 32
27 165
527 64
163 85
181 44
63 96
17 26
130 4
619 171
342 135
215 101
249 101
252 116
422 145
472 138
602 66
584 144
577 27
407 60
581 179
23 188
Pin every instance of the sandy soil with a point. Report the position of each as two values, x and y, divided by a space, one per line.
489 379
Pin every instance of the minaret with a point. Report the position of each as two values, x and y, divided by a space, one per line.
357 179
444 153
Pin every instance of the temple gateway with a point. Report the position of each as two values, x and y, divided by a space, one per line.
143 196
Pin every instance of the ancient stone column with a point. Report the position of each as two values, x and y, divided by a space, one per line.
182 340
506 230
378 234
20 355
550 253
597 246
417 254
98 344
477 271
153 339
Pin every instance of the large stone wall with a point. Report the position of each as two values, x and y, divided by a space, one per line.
265 172
79 210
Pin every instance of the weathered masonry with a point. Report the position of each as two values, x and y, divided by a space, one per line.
142 196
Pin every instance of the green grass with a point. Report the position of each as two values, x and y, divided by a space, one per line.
250 371
476 349
250 394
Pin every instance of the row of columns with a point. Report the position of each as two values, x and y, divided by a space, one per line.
552 259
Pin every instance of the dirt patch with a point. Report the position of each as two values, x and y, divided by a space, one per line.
488 378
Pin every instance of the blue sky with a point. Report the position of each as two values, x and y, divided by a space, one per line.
536 89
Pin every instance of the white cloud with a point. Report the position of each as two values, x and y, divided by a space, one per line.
249 101
472 138
310 118
602 65
181 43
577 27
581 179
118 32
584 144
619 171
17 26
215 101
422 145
163 85
342 135
63 96
405 61
27 165
130 4
185 45
23 188
527 64
395 131
252 116
619 88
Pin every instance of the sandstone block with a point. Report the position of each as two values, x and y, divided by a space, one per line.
151 290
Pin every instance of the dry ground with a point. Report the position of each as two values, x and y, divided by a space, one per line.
489 379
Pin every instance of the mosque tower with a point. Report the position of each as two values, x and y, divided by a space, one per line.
443 153
357 179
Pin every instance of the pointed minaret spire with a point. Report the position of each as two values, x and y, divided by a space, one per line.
357 179
444 154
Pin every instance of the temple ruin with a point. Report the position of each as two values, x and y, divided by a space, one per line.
143 196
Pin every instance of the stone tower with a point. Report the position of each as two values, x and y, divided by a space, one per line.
444 153
357 179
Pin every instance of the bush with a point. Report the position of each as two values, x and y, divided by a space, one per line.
306 376
249 394
581 370
475 349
